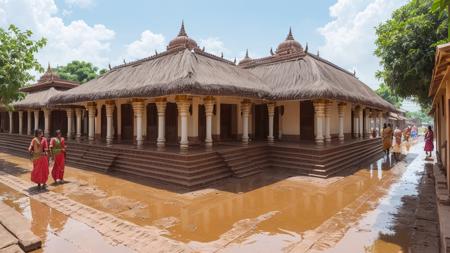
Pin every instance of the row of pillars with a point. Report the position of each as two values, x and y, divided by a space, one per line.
322 110
47 113
183 104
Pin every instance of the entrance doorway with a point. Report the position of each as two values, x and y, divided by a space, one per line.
306 120
261 123
127 122
171 123
152 122
227 121
201 123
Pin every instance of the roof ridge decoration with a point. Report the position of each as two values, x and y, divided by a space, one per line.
182 40
247 60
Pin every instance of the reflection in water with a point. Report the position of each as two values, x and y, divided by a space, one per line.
57 231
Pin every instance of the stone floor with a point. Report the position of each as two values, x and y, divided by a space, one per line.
384 206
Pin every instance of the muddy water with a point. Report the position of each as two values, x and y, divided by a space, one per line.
269 212
57 231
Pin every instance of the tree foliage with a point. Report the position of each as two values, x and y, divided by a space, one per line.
442 6
17 59
386 93
79 71
422 115
406 46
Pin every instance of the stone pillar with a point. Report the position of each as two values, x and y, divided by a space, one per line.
381 122
11 125
20 122
183 110
47 113
78 115
319 113
36 119
161 104
341 112
69 113
271 113
98 122
245 107
209 107
138 108
327 121
91 113
29 122
361 125
367 120
109 121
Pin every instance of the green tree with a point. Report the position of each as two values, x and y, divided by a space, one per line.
442 6
406 47
386 93
17 59
79 71
422 115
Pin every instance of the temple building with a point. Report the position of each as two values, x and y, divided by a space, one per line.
187 99
33 111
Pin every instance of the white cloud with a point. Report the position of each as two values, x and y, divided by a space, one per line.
80 3
145 46
76 40
350 36
215 46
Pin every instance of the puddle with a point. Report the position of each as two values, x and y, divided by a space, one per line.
57 231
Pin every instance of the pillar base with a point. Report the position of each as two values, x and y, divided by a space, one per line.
184 146
160 143
270 139
328 139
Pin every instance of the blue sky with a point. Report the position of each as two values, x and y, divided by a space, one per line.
106 32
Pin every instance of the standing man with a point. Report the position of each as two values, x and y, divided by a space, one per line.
58 151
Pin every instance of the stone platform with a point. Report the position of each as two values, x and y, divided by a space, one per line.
199 166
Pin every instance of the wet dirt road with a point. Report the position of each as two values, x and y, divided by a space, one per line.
271 212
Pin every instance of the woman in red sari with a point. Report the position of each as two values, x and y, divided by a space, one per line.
58 151
38 149
429 146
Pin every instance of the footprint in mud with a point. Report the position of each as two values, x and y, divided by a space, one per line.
125 207
81 187
166 222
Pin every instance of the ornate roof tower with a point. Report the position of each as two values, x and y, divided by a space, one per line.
290 45
182 40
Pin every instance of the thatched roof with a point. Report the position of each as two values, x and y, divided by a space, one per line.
310 77
36 100
174 72
50 79
291 73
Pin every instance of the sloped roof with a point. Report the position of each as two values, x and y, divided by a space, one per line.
310 77
177 71
37 99
50 79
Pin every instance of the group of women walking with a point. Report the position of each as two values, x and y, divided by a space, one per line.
41 152
388 135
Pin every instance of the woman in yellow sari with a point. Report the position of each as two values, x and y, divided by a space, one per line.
387 138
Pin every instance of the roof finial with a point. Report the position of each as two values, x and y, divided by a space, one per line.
156 52
221 55
124 61
203 48
290 37
48 67
354 72
182 31
318 53
271 51
234 61
246 54
306 47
